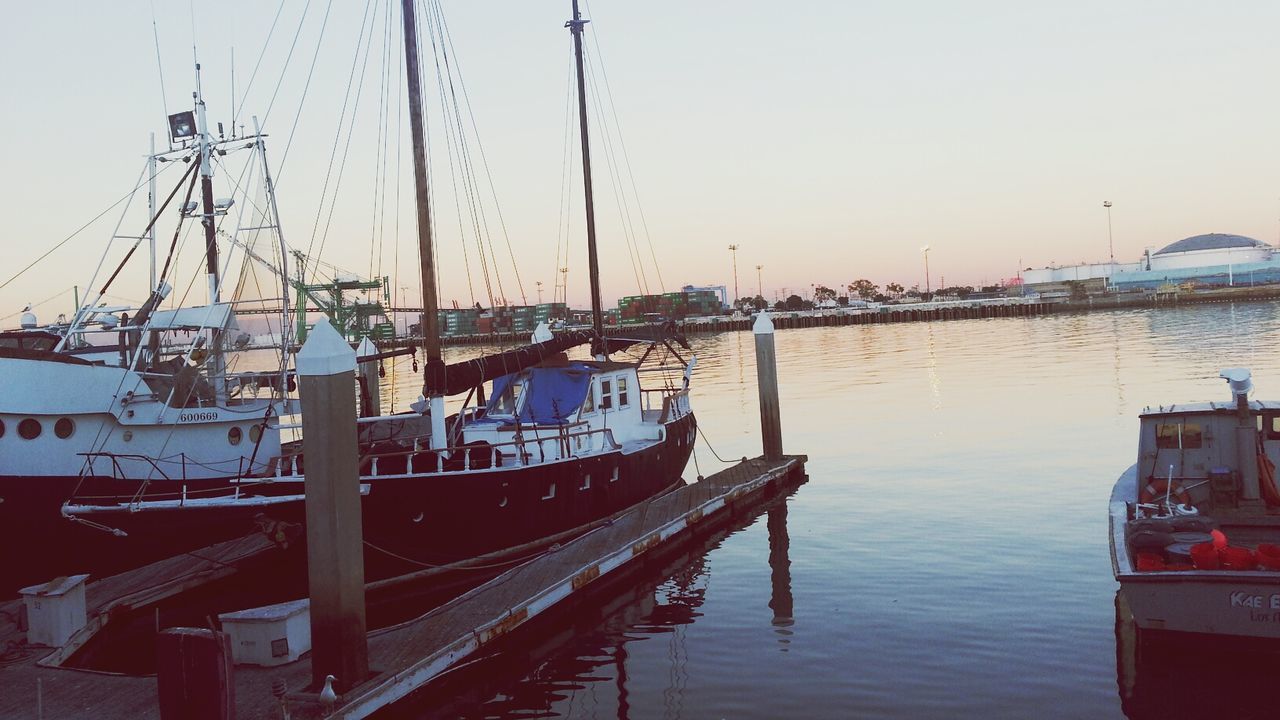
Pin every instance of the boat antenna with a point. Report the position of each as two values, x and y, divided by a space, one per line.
433 370
597 315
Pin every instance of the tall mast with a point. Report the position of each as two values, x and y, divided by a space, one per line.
430 329
433 368
597 314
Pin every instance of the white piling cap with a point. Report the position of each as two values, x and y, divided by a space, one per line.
542 333
325 352
365 349
763 325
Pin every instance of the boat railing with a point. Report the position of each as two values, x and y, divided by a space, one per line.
529 449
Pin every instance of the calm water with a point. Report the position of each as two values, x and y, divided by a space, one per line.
948 557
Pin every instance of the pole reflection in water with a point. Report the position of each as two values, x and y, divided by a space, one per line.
1161 675
780 573
574 661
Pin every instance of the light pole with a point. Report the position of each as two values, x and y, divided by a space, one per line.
734 249
925 250
539 283
1110 244
759 282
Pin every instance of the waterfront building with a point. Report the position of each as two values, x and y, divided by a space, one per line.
1210 260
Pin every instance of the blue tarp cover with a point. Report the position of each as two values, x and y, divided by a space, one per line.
551 395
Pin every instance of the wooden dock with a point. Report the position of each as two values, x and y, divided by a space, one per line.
405 657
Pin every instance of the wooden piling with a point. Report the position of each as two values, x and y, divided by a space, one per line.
767 380
370 384
335 554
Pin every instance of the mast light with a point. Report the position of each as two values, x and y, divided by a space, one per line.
182 126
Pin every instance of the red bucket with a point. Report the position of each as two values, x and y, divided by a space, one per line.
1150 562
1269 556
1237 558
1205 556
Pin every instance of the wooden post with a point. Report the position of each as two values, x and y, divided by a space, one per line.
335 553
767 380
370 386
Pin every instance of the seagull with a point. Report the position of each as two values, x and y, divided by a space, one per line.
328 697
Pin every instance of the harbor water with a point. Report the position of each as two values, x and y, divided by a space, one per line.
948 557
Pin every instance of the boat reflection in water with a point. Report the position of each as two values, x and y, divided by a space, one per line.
1162 675
580 653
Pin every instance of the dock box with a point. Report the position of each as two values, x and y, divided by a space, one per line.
55 610
269 635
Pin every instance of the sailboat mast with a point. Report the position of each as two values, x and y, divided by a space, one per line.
597 313
430 329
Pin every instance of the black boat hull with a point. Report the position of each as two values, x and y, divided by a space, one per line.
410 522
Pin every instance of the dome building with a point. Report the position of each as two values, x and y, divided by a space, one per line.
1210 260
1211 250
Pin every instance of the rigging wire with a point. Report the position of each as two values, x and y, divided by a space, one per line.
566 180
355 61
635 192
127 196
628 233
449 133
484 160
378 225
164 100
306 87
235 113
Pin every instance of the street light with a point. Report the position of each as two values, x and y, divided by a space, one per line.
539 283
734 249
1110 244
759 282
925 250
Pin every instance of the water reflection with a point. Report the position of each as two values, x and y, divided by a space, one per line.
1168 675
780 601
576 662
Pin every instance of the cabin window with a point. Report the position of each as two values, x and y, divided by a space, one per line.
64 428
1187 436
589 405
622 393
29 429
255 433
1 428
509 400
234 435
1271 423
606 394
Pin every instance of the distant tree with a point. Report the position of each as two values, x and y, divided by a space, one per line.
843 300
864 289
759 303
780 306
893 289
880 298
822 294
795 302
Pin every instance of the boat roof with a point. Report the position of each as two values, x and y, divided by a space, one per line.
1209 408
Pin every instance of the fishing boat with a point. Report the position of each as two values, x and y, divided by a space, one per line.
109 464
1195 523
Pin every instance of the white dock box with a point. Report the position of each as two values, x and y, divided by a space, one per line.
269 635
55 610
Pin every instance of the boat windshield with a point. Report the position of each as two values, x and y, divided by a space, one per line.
541 395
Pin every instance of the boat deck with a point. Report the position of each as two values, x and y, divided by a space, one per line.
405 657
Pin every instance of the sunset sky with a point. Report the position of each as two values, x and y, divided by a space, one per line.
830 141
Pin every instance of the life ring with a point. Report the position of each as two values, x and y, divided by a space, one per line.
1156 488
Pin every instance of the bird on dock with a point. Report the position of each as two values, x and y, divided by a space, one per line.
328 698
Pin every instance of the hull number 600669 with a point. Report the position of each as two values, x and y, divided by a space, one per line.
197 417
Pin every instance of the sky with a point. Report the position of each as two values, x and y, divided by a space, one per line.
829 141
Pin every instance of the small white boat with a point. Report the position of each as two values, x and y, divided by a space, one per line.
1195 523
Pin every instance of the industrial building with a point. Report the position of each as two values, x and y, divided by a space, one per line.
1211 260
